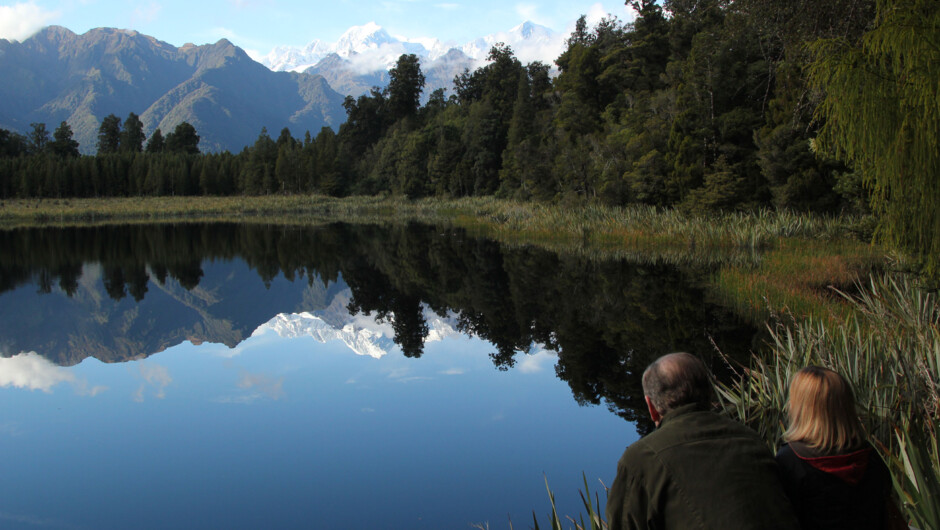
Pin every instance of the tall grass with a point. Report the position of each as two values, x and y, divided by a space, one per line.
889 348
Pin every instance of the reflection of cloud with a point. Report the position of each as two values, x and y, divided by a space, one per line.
368 410
82 389
403 375
32 371
157 377
31 521
21 21
239 400
267 385
537 362
10 429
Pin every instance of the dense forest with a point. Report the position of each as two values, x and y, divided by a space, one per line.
701 105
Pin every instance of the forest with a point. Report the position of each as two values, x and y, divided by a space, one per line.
700 105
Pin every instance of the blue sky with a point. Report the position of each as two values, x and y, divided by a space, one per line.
259 25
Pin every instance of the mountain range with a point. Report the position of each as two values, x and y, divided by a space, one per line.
57 75
230 304
363 55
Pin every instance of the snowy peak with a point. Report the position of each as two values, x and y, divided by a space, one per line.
362 39
371 45
362 334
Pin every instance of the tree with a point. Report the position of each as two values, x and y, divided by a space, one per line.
406 82
109 135
62 144
38 138
12 144
156 143
132 138
183 139
882 115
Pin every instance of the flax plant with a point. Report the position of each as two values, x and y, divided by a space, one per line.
889 348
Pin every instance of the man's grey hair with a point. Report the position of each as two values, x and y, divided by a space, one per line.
677 379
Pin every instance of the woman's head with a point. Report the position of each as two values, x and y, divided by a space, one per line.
822 411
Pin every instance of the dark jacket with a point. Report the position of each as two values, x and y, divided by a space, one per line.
698 470
850 490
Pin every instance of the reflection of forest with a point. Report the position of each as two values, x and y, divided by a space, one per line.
606 320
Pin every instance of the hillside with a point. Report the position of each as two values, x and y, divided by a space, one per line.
58 75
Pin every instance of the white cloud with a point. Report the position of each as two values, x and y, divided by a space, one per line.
453 371
447 7
157 377
537 362
20 21
32 371
267 385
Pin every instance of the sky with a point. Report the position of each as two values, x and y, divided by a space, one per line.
259 25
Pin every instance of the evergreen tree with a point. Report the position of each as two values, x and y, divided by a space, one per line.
406 82
62 144
183 139
38 138
109 135
156 143
132 137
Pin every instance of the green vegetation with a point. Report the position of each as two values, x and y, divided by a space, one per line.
889 348
882 114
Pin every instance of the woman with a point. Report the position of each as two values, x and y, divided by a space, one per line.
833 476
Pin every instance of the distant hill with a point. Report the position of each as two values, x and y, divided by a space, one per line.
57 75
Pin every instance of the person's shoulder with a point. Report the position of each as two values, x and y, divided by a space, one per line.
641 452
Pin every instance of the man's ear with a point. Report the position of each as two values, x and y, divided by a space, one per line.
654 414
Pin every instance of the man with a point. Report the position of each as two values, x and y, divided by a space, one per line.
698 469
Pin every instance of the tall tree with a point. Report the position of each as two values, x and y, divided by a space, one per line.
882 115
62 144
156 143
109 135
38 138
406 82
132 137
183 139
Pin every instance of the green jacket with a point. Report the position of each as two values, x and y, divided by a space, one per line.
698 470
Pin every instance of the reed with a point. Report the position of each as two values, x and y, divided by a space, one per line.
889 348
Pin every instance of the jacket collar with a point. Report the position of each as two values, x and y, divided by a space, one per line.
680 411
849 467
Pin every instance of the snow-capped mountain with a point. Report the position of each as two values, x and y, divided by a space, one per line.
362 334
369 46
362 56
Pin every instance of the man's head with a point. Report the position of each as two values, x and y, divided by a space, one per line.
674 380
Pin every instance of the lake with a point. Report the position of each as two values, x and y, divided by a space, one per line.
343 376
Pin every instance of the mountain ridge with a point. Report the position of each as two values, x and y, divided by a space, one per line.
57 75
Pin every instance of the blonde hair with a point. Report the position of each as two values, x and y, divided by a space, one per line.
822 411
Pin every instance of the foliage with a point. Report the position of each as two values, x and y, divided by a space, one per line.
882 114
889 348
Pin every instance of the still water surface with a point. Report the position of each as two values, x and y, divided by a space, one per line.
244 376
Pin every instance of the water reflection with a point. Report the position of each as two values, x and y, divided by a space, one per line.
126 292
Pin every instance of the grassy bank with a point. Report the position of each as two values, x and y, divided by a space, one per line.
889 348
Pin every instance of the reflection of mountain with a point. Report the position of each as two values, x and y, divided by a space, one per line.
606 319
362 334
229 303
